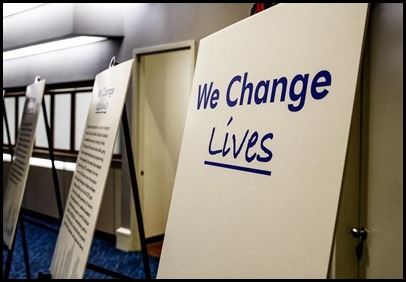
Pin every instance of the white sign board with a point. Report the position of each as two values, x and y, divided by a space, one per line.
16 182
92 167
261 165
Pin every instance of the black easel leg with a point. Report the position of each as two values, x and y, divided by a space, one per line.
52 157
11 251
8 261
135 194
25 249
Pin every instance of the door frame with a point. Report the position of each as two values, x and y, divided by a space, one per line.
137 113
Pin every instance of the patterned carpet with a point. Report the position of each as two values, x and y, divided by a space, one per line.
103 254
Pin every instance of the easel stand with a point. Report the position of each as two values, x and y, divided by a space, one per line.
24 242
11 251
137 204
21 217
138 212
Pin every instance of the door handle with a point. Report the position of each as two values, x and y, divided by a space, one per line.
360 234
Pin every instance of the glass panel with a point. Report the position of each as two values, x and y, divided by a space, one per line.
10 109
62 121
83 101
117 145
21 102
41 139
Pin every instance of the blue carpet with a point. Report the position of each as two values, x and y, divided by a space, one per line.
41 244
